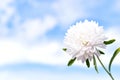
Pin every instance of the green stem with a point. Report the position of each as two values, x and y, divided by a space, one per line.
105 68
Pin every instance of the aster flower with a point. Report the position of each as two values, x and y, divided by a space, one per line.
83 39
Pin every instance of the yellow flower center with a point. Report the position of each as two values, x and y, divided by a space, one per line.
85 43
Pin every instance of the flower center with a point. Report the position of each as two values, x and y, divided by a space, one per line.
85 43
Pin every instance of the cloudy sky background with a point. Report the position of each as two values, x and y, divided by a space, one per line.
32 33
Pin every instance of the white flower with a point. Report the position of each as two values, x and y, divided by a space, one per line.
83 39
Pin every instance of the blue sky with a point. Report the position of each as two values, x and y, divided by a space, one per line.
32 33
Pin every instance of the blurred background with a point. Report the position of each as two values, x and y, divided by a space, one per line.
32 33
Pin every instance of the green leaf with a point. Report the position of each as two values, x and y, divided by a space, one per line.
109 42
64 49
95 64
112 58
87 63
101 52
71 61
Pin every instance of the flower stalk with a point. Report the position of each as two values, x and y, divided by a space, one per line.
105 68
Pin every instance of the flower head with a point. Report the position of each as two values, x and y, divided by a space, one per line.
83 39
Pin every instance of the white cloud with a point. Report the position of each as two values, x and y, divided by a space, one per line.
29 29
5 3
6 12
33 28
68 11
12 52
116 6
45 54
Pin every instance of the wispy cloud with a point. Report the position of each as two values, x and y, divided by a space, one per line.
34 28
6 11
